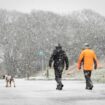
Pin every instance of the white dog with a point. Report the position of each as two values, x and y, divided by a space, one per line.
9 79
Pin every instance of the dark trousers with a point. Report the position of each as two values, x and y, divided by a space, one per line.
58 76
89 83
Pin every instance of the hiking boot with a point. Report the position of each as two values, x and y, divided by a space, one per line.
57 88
60 87
89 88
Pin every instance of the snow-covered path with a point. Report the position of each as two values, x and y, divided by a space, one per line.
44 93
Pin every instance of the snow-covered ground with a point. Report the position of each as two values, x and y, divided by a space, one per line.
44 93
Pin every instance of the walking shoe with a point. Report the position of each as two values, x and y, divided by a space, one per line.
89 88
59 87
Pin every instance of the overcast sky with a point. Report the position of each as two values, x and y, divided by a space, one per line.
57 6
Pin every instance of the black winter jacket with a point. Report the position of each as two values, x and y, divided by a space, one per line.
59 58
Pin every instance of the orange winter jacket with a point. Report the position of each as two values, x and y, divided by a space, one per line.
88 59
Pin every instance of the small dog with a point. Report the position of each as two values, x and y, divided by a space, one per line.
9 79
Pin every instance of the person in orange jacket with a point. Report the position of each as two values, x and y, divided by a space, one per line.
88 60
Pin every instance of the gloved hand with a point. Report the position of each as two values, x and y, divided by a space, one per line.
95 67
79 67
66 68
50 65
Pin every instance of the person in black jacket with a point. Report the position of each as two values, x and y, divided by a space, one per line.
59 58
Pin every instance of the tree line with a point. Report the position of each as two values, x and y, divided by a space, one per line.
27 40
